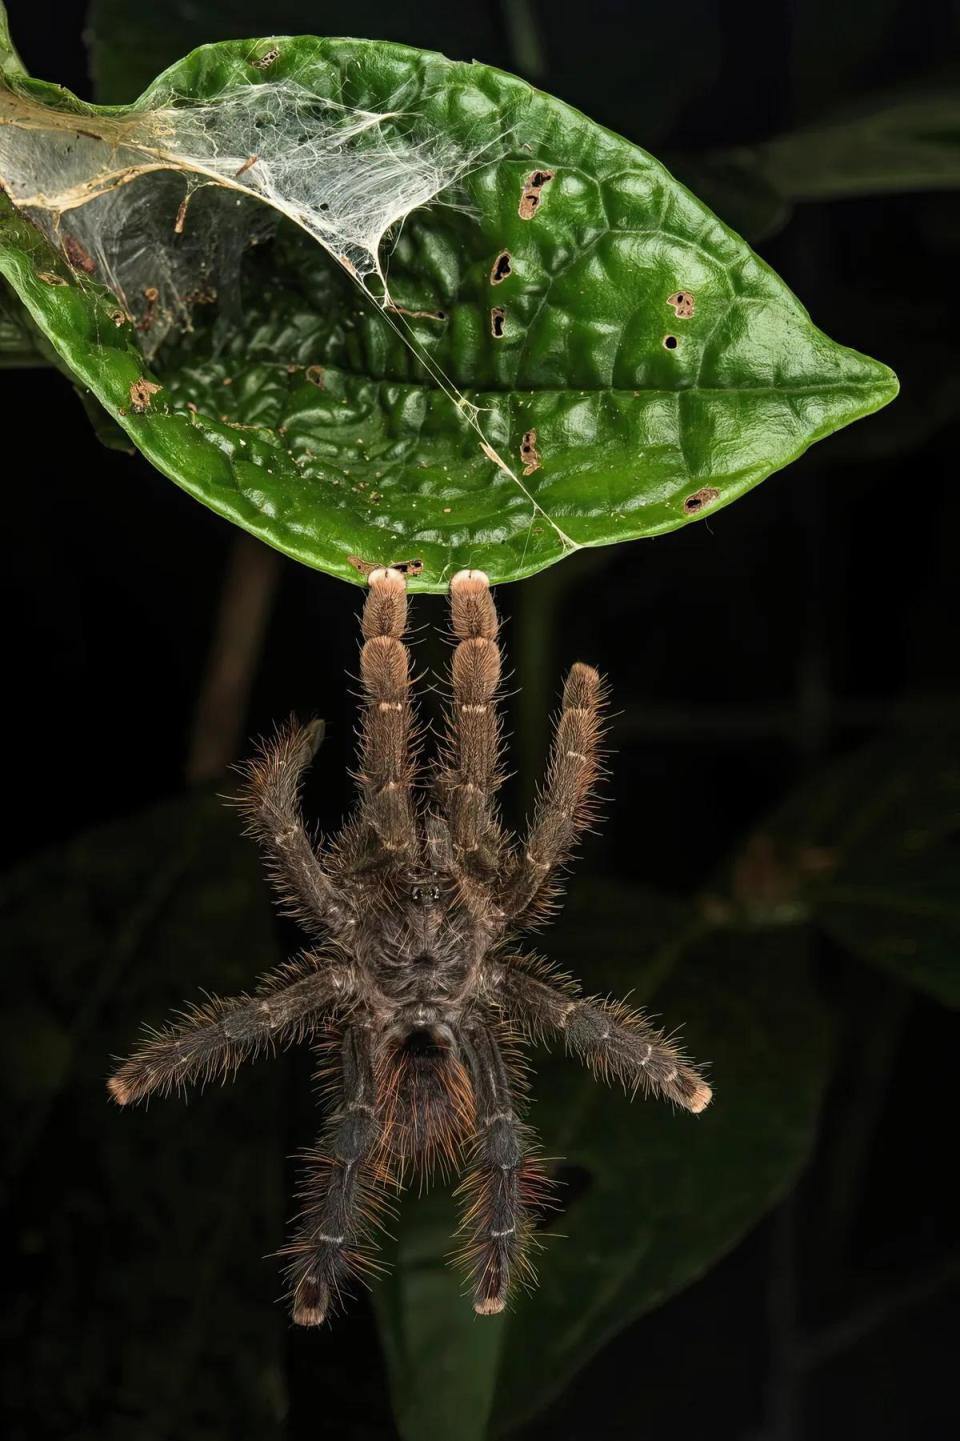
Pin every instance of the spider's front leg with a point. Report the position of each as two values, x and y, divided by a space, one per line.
502 1185
469 777
212 1039
565 806
270 800
332 1242
617 1043
387 822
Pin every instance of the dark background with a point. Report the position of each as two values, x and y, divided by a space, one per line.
743 650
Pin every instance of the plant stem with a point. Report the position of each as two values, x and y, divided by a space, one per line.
246 600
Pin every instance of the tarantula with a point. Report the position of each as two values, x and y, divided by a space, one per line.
414 979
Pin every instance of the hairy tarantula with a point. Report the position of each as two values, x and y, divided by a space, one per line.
414 979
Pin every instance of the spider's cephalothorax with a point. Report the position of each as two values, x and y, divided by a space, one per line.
414 981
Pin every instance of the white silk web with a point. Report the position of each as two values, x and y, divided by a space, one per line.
343 175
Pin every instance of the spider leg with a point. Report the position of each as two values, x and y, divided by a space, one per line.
469 776
332 1241
503 1183
271 803
386 822
617 1043
213 1038
564 809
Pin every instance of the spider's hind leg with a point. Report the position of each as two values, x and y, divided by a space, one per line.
332 1242
504 1183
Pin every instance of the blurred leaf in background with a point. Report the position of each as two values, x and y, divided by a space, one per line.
869 849
147 1297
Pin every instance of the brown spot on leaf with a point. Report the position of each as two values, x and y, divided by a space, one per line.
142 392
532 193
48 278
696 502
498 321
529 453
316 375
418 314
501 268
683 304
181 219
405 567
119 317
78 257
263 62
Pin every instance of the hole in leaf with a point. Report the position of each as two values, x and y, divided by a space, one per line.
498 320
532 193
670 342
683 304
529 453
501 268
699 499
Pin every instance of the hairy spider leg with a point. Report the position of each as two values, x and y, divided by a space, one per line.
270 802
343 1199
617 1043
566 804
211 1040
469 775
503 1183
387 772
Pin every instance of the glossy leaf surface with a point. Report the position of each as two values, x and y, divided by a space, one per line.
306 418
146 1278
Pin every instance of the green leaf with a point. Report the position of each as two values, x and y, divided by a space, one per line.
10 62
18 340
666 1195
146 1278
869 849
306 418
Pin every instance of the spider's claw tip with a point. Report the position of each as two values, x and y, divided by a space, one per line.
386 575
120 1091
489 1305
700 1099
475 579
314 733
311 1304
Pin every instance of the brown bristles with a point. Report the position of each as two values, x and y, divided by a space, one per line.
120 1091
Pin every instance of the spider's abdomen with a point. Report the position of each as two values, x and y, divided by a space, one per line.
426 1097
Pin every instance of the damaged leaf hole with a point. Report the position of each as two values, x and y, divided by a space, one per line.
405 567
532 193
498 321
670 342
696 502
501 268
683 304
264 62
142 392
529 453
